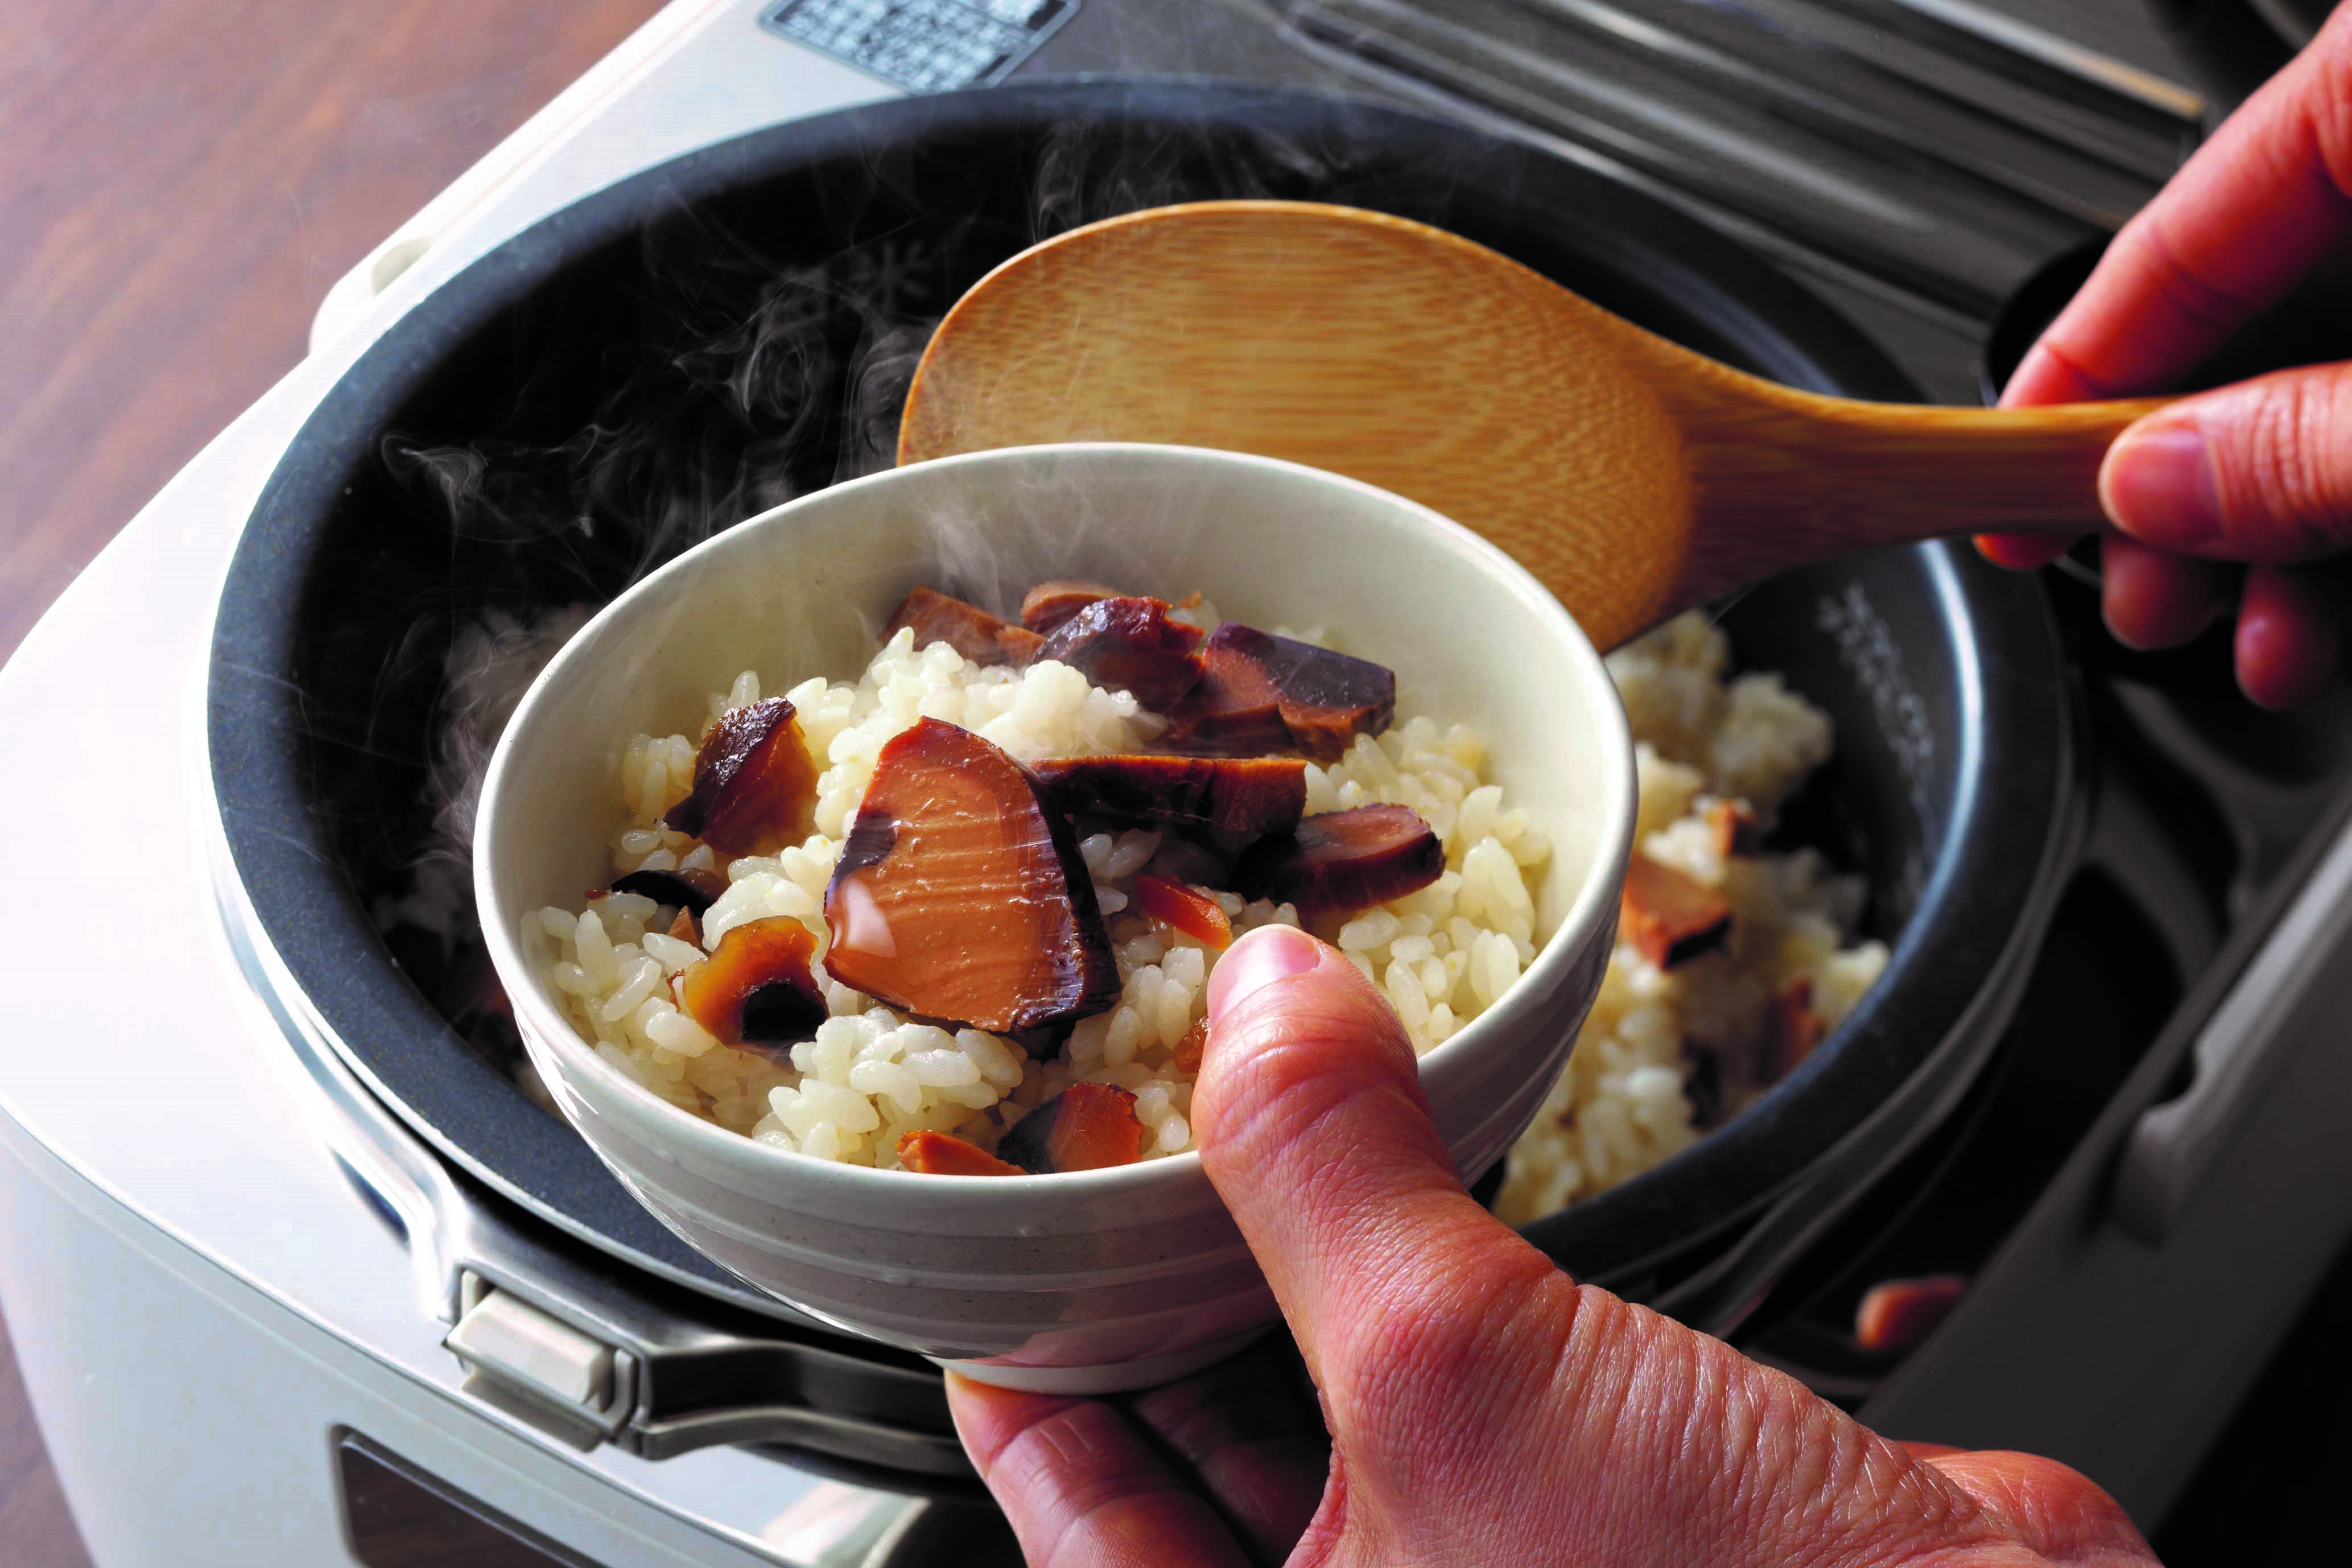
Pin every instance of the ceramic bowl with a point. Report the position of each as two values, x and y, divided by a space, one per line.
1100 1280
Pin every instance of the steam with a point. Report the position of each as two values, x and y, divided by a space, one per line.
490 663
740 413
628 492
1084 176
737 383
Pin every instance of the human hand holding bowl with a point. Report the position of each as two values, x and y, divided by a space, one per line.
1481 1407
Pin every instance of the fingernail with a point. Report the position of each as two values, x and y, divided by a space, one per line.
1259 959
2027 378
2159 488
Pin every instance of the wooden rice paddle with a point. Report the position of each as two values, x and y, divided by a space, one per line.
1634 478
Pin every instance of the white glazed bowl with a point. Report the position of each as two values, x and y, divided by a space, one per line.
1099 1279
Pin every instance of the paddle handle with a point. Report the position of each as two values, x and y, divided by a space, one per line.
1795 478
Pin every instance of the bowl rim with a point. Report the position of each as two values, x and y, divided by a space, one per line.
1590 906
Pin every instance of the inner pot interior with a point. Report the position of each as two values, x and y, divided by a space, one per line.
696 344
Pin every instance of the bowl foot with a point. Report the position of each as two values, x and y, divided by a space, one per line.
1116 1378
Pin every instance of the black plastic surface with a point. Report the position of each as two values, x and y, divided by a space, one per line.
396 1515
615 376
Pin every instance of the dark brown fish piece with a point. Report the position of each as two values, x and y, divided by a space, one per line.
960 894
1195 859
757 991
1669 918
967 628
1186 1056
1260 693
1130 645
1086 1127
754 783
1792 1029
1341 860
1048 605
935 1154
1183 909
1225 794
1735 829
693 891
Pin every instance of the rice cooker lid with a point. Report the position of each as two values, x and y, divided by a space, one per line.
1617 244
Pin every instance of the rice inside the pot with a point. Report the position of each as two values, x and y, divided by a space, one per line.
1625 1101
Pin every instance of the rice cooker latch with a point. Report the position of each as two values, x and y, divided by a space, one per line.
552 1340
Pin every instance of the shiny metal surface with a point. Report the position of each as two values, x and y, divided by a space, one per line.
2115 1329
1912 159
208 1145
460 1246
1938 149
2178 1149
188 1407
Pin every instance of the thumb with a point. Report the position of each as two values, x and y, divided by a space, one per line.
1480 1403
1314 1129
2258 471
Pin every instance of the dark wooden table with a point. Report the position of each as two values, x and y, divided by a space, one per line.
179 184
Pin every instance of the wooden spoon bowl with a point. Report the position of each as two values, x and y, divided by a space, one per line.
1634 477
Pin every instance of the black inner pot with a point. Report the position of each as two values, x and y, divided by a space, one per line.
691 345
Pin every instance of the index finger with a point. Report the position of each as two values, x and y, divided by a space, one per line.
1083 1488
2242 222
1250 1431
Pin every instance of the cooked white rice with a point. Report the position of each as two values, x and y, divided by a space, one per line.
1441 955
1621 1107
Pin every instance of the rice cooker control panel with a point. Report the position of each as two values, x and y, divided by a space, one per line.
923 46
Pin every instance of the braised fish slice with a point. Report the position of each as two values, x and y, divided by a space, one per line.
936 1153
1252 795
757 991
1130 645
1048 605
693 891
754 783
1259 692
967 628
1343 861
1181 909
1086 1127
1670 919
960 894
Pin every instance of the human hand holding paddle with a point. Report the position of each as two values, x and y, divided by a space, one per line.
2260 471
